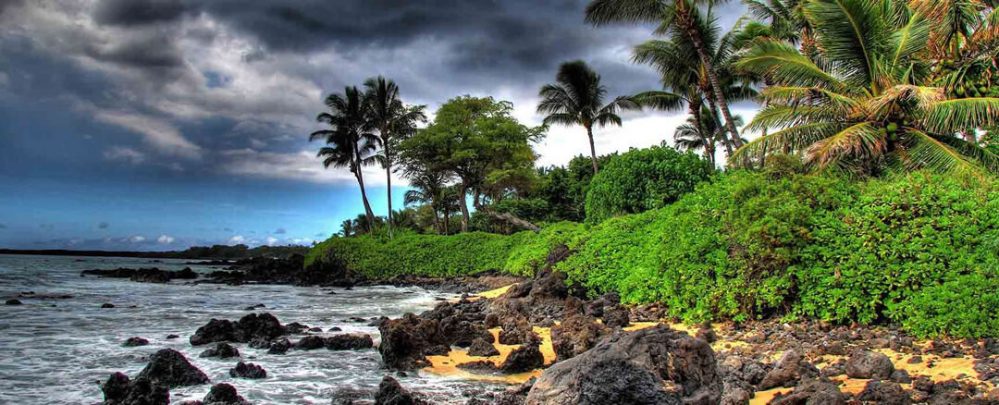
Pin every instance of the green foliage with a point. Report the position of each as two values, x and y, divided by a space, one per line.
530 254
899 236
963 307
643 179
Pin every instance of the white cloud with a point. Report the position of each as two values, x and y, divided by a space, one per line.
159 133
124 154
235 240
165 239
271 241
137 239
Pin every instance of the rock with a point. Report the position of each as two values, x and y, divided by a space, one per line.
391 393
144 275
170 368
651 366
296 327
255 307
478 365
135 341
248 370
253 326
119 390
869 365
351 396
616 317
223 394
406 341
516 331
310 343
814 392
107 305
884 393
350 341
791 367
575 335
527 357
221 350
172 336
13 302
901 377
482 348
279 346
336 329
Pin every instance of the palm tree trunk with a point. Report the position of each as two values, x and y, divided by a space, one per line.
684 18
364 195
388 176
463 205
593 149
437 218
714 115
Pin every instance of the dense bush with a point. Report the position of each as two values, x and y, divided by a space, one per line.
920 250
643 179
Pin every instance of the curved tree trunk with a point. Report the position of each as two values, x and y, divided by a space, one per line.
593 149
729 149
364 195
684 18
388 176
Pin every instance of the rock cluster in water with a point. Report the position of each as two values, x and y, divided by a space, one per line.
144 275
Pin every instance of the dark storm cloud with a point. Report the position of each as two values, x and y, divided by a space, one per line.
137 12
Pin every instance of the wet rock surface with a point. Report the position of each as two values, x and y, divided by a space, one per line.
223 394
221 350
170 368
262 326
248 371
144 275
121 390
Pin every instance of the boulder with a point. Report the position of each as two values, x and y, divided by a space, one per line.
884 393
482 348
391 393
221 350
406 341
788 370
869 365
516 331
527 357
248 370
216 330
814 392
170 368
254 326
223 394
575 335
310 343
350 341
135 341
120 390
107 305
13 302
279 346
651 366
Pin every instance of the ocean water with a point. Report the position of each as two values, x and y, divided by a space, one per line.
59 350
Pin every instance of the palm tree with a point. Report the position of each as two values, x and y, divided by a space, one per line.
702 135
787 22
392 119
675 18
347 228
870 107
348 144
428 187
577 98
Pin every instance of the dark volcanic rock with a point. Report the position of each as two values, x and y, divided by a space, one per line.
791 367
107 305
406 341
482 348
869 365
13 302
135 341
145 275
223 394
885 393
170 368
119 390
350 341
248 370
527 357
262 326
575 335
616 317
310 343
221 350
391 393
814 392
478 365
516 331
289 270
651 366
279 346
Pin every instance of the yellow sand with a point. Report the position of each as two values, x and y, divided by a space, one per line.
448 365
490 294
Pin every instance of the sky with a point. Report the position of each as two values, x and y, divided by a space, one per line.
162 124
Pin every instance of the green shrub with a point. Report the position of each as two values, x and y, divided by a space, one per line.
964 307
531 251
899 236
643 179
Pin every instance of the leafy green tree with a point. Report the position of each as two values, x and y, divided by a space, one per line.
393 120
643 179
675 18
577 98
869 108
702 135
478 141
349 145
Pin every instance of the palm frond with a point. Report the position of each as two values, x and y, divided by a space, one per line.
860 141
963 114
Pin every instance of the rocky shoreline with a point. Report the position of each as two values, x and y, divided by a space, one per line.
552 345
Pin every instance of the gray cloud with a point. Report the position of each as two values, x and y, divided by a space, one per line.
137 12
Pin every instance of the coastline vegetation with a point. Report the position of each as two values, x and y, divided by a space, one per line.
867 194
